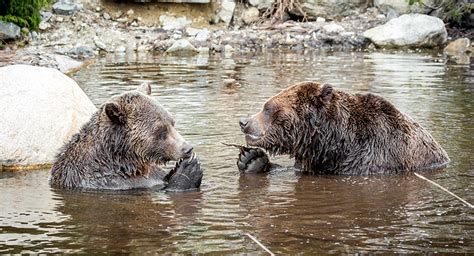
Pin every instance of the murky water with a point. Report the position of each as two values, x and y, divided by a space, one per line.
287 212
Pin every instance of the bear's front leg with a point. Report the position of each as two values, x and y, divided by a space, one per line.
253 160
186 175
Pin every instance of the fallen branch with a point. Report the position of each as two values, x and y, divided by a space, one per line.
260 244
444 189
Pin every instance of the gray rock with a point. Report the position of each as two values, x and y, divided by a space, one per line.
261 4
182 47
333 28
82 52
64 8
250 15
43 25
327 8
45 16
227 11
409 30
9 30
41 109
399 6
391 14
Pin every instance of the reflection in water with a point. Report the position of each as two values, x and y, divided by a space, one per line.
287 211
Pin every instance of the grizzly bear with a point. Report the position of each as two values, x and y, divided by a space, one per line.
121 146
329 131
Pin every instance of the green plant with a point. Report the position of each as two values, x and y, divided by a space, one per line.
24 13
454 10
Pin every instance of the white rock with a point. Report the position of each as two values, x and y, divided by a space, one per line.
400 6
173 23
227 11
250 15
261 4
41 109
120 49
228 48
202 35
192 31
409 30
67 64
333 28
320 19
182 47
101 45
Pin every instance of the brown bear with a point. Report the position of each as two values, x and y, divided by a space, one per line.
121 146
329 131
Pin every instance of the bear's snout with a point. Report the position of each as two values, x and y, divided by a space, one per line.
243 122
187 150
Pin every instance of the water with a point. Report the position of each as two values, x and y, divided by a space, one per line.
287 212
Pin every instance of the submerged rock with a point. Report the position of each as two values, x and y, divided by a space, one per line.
459 51
459 46
41 109
9 30
182 47
409 30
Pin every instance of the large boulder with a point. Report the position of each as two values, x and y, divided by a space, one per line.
9 30
41 108
409 30
327 8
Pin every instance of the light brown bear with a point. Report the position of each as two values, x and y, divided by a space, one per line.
121 147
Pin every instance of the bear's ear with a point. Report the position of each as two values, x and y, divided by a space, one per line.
145 88
326 93
113 112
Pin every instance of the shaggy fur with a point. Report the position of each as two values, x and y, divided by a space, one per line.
121 145
333 132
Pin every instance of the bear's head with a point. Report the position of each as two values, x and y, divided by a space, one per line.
288 121
137 124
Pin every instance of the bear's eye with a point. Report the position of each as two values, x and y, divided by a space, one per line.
162 132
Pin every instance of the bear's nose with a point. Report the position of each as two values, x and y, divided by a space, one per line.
187 150
243 122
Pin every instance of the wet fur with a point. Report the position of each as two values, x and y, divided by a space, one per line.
333 132
121 146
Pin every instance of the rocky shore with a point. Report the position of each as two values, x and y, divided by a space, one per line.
69 36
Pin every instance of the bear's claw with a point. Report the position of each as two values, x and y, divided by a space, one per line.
186 175
252 160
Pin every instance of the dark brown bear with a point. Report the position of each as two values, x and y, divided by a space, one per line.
121 146
333 132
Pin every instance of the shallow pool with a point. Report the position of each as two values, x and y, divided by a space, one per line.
287 212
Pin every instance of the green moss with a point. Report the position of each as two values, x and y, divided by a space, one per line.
24 13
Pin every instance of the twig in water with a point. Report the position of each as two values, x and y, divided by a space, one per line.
441 187
260 244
